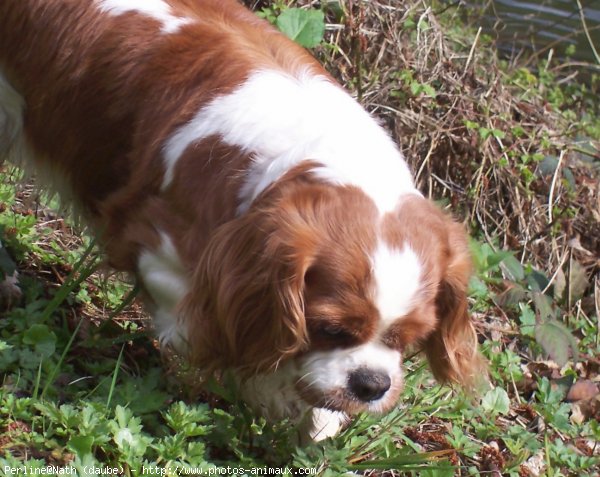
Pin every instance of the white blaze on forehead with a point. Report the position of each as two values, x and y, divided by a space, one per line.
157 9
397 274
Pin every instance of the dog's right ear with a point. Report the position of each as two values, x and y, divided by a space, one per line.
452 349
245 309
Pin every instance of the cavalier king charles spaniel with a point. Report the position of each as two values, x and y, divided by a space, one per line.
272 223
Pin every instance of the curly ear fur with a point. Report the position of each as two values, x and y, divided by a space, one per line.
452 348
246 310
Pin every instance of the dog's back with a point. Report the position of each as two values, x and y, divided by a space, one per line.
116 78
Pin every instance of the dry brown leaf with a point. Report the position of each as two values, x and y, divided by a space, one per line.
582 389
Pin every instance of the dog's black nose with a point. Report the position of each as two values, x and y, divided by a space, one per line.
367 384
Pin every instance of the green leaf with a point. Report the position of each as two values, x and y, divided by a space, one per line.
429 90
127 433
305 27
497 133
512 296
81 445
415 88
527 319
543 305
513 268
557 341
496 401
536 280
41 338
484 133
187 420
402 461
444 469
471 124
334 7
547 166
478 288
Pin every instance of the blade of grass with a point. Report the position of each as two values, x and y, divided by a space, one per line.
38 379
113 383
406 462
71 282
587 31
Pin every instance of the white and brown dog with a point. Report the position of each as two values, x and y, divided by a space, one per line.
272 223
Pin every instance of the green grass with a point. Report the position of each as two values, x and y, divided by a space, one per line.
83 385
97 394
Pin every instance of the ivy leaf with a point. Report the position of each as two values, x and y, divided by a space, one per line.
557 341
305 27
496 401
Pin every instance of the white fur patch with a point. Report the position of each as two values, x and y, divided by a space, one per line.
157 9
165 280
283 120
397 278
326 423
274 397
328 370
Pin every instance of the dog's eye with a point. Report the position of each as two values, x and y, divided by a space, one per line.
335 332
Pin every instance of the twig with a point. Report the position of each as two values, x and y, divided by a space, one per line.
472 52
587 32
426 160
554 179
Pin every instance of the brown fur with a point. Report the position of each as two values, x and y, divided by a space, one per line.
441 321
251 287
76 69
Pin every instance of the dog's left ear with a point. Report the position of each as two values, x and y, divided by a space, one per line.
452 348
245 310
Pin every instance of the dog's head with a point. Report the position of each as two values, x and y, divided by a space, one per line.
315 274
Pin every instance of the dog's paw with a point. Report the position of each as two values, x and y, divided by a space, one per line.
326 423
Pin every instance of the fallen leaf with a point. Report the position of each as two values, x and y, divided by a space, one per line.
582 389
586 409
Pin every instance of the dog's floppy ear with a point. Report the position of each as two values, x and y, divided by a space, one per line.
452 348
245 309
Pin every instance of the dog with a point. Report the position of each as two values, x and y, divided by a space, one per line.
272 223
